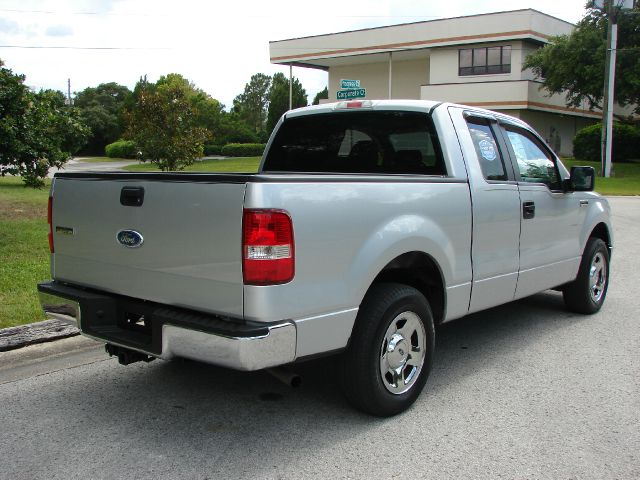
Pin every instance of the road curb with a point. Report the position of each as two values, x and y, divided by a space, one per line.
32 333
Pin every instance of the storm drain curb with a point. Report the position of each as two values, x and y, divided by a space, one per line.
32 333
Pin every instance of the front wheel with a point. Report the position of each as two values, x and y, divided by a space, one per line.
390 356
587 292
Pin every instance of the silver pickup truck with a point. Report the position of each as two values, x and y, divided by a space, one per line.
368 224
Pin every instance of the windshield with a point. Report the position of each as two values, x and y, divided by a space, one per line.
357 142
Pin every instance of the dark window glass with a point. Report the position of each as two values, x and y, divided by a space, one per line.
494 56
487 149
479 57
466 57
357 142
535 164
506 56
485 60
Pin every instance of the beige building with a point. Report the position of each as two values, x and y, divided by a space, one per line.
474 60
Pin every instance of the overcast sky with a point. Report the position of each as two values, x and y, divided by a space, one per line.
217 45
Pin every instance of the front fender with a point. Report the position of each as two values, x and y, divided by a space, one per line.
599 213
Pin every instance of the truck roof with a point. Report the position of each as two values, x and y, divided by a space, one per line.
411 105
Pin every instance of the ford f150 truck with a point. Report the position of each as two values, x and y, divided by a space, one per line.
368 224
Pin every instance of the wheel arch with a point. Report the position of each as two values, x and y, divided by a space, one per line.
601 231
420 271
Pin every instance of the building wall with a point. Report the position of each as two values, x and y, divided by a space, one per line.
373 77
558 130
435 33
407 77
444 64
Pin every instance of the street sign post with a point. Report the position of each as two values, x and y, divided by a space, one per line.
352 93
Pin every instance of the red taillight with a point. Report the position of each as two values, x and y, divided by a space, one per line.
50 222
267 247
354 104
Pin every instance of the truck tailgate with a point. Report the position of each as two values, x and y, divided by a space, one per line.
190 255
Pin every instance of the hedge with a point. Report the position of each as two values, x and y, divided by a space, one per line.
243 149
212 149
121 149
626 143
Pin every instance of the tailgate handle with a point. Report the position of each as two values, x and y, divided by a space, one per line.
132 196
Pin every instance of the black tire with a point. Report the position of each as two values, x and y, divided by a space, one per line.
587 292
389 313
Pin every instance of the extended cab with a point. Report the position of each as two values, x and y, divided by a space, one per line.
367 225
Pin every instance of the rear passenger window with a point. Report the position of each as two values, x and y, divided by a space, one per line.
489 156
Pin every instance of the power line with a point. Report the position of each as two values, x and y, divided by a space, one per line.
82 48
155 14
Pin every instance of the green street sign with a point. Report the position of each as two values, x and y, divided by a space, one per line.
349 83
352 93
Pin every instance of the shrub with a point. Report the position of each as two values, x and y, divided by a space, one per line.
626 143
121 149
243 149
212 149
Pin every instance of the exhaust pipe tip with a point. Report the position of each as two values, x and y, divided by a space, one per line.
287 377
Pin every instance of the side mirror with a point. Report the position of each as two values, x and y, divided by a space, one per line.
582 179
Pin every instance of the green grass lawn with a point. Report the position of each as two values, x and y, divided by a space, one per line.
103 159
625 179
244 165
24 251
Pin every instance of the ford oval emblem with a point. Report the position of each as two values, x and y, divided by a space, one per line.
129 238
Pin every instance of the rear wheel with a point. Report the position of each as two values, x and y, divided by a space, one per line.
390 356
587 292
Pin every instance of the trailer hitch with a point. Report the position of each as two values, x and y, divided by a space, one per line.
126 356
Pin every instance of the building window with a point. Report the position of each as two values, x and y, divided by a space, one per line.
484 60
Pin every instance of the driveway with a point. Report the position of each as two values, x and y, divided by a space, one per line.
77 165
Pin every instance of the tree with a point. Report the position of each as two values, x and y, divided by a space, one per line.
210 111
232 129
37 130
322 94
162 120
251 105
574 64
279 98
102 110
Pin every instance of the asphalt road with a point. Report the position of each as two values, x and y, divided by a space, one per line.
523 391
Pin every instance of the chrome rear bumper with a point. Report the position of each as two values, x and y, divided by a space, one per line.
59 308
276 345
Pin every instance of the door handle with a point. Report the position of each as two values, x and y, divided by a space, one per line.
528 210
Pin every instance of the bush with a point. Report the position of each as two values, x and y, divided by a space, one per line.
121 149
626 143
243 149
212 149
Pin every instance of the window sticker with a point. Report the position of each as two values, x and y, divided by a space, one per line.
487 150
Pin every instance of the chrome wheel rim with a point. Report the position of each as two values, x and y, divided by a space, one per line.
597 277
402 353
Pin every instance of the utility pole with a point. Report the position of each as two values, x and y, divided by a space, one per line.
390 72
290 86
612 7
69 91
